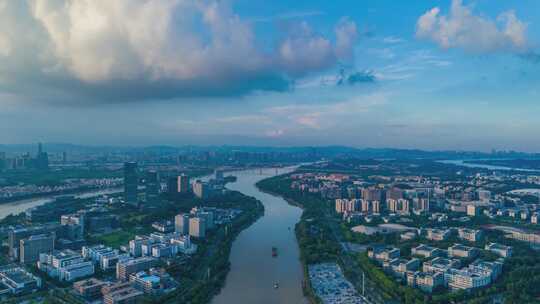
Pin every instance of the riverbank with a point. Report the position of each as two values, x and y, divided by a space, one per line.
307 289
206 273
319 237
255 270
52 194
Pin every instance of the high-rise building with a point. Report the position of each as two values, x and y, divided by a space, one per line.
421 204
16 235
372 194
394 193
32 247
376 207
42 159
183 183
152 187
197 227
172 185
3 164
181 223
131 181
201 189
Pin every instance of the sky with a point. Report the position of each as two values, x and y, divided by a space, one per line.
435 75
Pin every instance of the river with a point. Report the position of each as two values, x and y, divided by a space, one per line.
253 269
17 207
464 163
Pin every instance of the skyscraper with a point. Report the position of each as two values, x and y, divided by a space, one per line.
42 159
181 223
131 181
172 185
183 183
152 187
197 227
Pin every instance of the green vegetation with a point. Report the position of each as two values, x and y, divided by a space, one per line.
519 283
114 239
205 273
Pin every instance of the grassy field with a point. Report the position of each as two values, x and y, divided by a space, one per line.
115 239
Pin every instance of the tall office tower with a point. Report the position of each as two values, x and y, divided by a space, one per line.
183 183
152 187
64 157
181 223
3 164
42 159
131 181
172 185
197 227
33 246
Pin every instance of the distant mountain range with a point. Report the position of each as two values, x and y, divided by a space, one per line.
321 151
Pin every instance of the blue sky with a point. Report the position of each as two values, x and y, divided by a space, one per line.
414 74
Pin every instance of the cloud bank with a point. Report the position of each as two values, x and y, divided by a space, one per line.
461 28
154 49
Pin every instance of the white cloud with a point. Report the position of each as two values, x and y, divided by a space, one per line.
198 47
392 40
461 28
304 50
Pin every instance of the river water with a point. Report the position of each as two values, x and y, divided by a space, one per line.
253 269
22 205
462 162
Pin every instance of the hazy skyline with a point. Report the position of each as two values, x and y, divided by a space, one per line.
459 75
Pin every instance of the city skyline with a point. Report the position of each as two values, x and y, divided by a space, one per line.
437 75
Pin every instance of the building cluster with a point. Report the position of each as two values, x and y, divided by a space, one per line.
136 278
66 265
442 268
202 219
21 191
161 245
175 185
15 280
25 161
132 178
415 194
